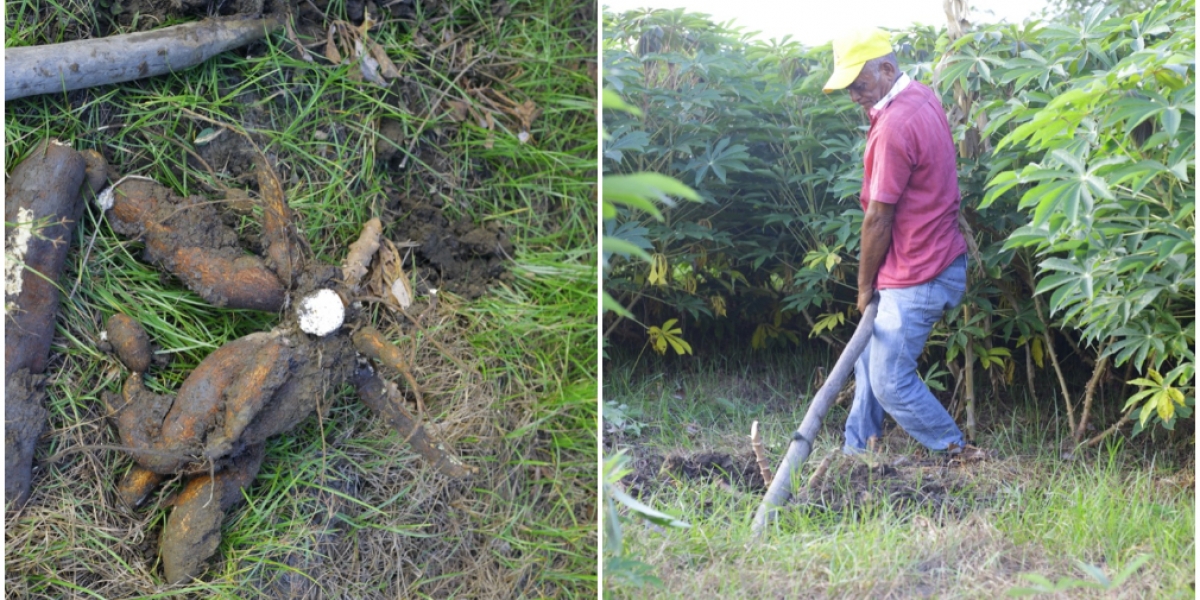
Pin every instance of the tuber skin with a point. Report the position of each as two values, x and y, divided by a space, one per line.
193 529
249 389
130 342
43 203
244 392
187 238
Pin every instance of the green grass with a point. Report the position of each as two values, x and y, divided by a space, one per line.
1025 515
342 507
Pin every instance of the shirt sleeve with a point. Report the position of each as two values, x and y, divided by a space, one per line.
890 165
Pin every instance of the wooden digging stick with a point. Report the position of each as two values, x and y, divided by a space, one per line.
803 438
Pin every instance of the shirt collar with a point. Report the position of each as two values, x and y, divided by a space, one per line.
901 82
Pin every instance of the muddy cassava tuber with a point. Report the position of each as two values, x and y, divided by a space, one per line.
42 205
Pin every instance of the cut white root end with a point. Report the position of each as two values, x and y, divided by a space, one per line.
16 246
321 313
106 197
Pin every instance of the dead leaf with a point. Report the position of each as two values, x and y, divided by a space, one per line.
386 67
491 138
368 65
292 37
526 112
402 292
331 50
458 110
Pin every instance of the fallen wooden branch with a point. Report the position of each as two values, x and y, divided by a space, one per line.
804 437
33 70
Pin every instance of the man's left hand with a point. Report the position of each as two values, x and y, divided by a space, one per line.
866 293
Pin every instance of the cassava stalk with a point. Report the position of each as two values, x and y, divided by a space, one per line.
33 70
969 374
760 453
1089 394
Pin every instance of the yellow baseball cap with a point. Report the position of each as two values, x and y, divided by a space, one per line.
853 50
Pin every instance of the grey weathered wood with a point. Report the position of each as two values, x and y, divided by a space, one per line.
33 70
803 438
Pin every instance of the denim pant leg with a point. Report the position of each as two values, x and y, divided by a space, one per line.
866 415
905 318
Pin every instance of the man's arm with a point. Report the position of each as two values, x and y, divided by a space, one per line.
876 239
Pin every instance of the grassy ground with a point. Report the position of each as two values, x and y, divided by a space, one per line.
342 507
1024 521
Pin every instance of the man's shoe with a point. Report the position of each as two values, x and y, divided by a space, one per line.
967 453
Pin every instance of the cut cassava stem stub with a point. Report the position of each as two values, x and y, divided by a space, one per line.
41 207
186 237
760 453
32 70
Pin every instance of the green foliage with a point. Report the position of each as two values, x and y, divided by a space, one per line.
619 569
1098 581
1077 168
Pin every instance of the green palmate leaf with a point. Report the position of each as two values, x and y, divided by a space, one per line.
608 303
646 512
613 101
649 185
625 248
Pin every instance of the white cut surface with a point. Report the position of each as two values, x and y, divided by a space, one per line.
321 313
15 248
402 293
105 198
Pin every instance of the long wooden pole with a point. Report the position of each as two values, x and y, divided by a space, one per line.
803 438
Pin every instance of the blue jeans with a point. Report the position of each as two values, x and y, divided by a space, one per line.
885 375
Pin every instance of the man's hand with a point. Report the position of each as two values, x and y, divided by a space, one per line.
876 239
865 295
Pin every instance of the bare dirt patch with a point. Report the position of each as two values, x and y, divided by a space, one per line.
845 487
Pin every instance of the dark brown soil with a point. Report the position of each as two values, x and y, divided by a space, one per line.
457 256
853 485
849 487
652 470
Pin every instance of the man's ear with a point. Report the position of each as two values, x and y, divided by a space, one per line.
888 69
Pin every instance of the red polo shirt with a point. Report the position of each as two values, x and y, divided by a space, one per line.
911 162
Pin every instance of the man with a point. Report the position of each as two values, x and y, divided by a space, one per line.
912 254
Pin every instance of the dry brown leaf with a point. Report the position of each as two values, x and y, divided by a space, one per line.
292 37
362 251
526 112
458 110
402 292
368 65
491 138
386 67
331 50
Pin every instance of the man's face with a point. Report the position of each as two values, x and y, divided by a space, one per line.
872 84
